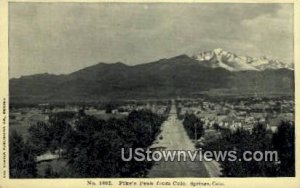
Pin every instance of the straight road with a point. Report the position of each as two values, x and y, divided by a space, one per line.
174 137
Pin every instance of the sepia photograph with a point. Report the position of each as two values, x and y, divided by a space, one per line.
151 90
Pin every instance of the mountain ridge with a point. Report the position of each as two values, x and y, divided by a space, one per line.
232 62
180 76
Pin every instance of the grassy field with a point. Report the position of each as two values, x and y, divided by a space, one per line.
22 122
100 114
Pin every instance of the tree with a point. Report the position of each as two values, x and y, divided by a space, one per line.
284 142
39 137
109 108
261 141
193 126
199 130
216 126
241 140
94 146
57 129
49 136
49 173
22 158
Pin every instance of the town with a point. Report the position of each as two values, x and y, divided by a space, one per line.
215 114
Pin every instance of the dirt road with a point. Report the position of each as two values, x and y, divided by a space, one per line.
174 137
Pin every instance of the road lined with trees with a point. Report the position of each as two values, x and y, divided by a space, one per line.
174 137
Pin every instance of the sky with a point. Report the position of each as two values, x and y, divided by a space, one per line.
60 38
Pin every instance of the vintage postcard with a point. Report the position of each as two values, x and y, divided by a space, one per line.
149 94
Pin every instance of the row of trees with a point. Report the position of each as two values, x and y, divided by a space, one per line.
193 126
258 139
92 147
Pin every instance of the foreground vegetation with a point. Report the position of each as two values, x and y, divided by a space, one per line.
258 139
90 147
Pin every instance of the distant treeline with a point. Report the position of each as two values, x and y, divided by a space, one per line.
235 100
91 147
97 105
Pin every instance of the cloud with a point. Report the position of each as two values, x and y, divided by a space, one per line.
64 37
273 33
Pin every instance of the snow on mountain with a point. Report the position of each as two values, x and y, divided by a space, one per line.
232 62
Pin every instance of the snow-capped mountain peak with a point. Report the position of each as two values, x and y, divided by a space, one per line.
232 62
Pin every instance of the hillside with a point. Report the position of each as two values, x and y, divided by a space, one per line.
178 76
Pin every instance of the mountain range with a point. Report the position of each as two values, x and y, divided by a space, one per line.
216 72
232 62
